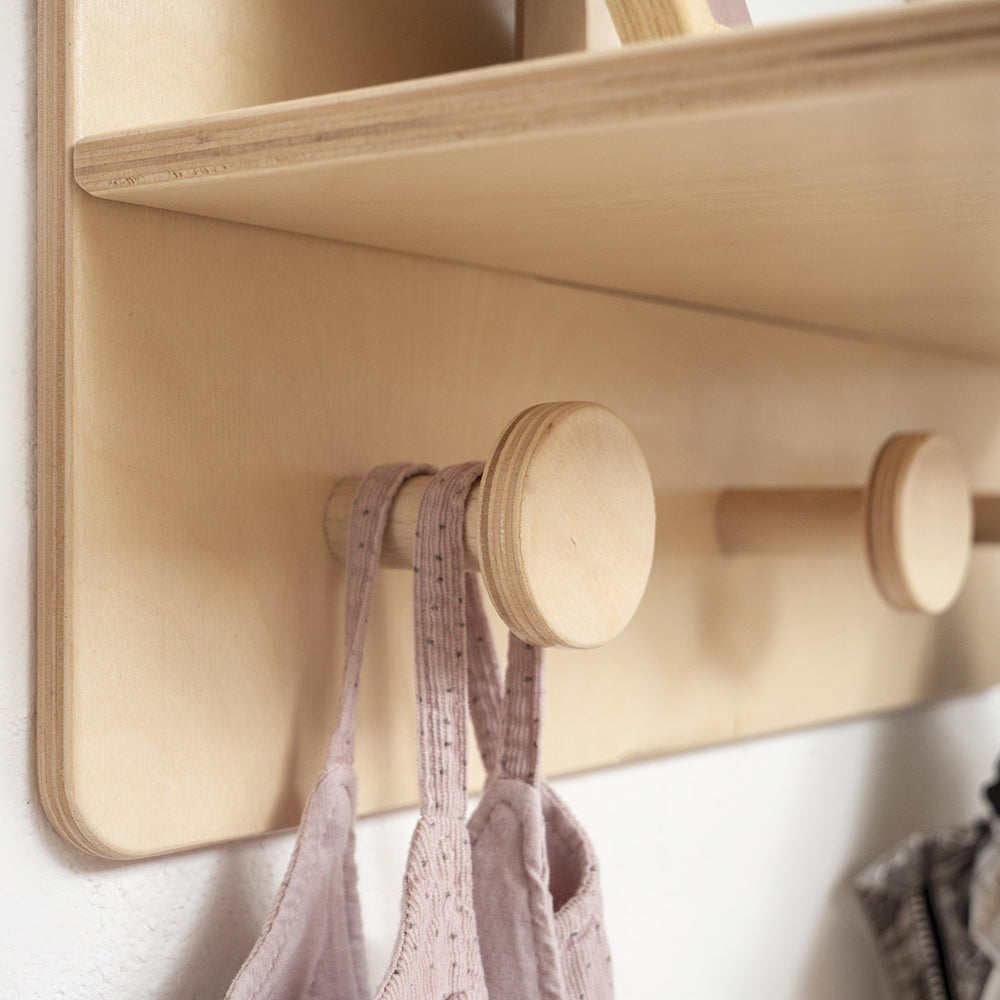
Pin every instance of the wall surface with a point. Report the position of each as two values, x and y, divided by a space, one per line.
725 870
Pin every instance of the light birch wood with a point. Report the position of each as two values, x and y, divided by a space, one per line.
562 525
645 20
201 385
767 136
567 525
914 518
919 525
790 521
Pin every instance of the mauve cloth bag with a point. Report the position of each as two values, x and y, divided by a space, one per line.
535 881
311 944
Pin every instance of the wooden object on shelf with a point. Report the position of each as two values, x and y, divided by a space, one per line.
552 27
645 20
202 384
555 27
562 525
913 520
769 136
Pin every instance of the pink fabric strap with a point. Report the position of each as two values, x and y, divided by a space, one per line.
441 641
536 881
522 721
369 515
437 952
311 944
485 696
508 730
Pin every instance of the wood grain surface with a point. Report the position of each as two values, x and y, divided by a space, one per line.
204 384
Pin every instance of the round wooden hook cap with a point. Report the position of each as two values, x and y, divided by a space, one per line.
919 522
567 525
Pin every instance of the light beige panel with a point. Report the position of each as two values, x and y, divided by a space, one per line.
219 393
160 60
202 385
841 174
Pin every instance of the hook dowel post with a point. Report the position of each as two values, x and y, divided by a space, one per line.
789 522
914 518
397 543
562 524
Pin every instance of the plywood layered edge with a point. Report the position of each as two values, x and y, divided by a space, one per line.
840 173
52 552
578 91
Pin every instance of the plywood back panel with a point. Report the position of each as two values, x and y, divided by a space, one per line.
203 384
141 63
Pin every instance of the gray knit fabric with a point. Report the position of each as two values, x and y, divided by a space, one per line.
916 898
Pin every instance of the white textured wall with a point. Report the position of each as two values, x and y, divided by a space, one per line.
724 870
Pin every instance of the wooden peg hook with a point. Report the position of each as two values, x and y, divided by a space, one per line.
914 515
561 525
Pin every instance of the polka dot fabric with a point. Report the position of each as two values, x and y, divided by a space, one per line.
536 881
311 945
437 954
507 907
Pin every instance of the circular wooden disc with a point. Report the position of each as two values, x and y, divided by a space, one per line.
919 522
567 525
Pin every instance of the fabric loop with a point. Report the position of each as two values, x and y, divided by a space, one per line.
522 721
369 517
485 700
507 906
441 640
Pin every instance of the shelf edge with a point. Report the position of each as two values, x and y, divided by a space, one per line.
585 91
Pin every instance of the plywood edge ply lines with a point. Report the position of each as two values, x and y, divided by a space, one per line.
51 634
579 91
57 255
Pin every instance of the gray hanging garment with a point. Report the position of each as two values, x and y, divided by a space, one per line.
984 908
984 901
916 898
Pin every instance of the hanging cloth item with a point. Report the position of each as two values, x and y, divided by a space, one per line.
984 909
312 945
535 877
916 898
984 901
536 882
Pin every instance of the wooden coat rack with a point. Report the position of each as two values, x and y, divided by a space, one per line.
280 243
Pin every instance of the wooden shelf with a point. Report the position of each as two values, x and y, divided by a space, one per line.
842 174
